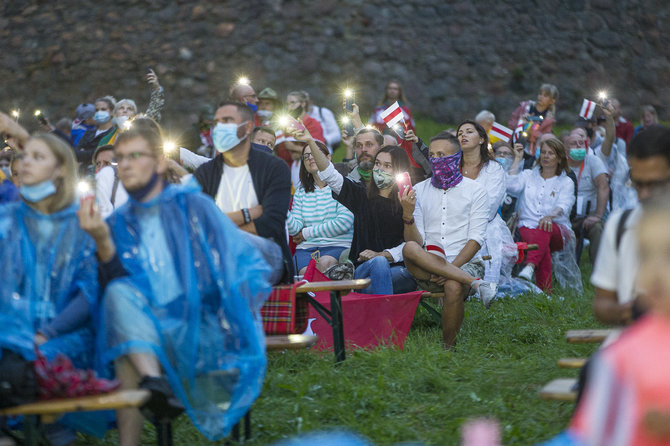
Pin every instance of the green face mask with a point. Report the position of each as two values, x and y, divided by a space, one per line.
365 174
383 180
577 154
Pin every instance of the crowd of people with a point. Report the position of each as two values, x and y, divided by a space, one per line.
150 263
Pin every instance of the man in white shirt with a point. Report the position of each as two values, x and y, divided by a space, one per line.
592 191
331 131
445 225
615 270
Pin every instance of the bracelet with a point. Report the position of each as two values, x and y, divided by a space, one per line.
246 215
408 222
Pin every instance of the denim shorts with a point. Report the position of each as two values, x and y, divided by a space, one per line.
303 256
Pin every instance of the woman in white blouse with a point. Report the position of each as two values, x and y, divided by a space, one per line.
478 164
547 195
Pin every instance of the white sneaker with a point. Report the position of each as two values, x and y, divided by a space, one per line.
486 292
527 273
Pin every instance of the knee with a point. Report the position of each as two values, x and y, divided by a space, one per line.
453 292
379 262
411 249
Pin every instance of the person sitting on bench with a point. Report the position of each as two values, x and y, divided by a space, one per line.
50 275
182 292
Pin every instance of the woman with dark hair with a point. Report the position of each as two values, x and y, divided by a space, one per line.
376 248
547 196
478 164
392 92
317 222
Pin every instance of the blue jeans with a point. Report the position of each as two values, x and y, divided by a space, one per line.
386 279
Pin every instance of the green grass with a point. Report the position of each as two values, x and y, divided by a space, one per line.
423 393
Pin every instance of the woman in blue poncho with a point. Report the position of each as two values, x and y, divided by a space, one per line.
49 271
179 311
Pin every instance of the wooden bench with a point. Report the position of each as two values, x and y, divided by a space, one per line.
49 411
333 316
289 342
589 336
561 389
571 363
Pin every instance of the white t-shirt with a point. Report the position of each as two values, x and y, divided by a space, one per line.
104 189
616 270
295 174
586 186
236 189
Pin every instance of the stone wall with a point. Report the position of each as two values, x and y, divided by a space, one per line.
452 57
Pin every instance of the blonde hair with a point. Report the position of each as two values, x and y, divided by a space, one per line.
66 183
551 90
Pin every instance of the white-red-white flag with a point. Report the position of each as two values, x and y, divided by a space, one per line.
392 115
500 132
588 107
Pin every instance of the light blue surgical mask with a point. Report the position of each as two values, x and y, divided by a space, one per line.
101 116
577 154
265 114
225 137
504 162
37 192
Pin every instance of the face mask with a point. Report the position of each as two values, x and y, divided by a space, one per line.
577 154
224 136
121 120
6 171
253 107
383 180
446 171
265 114
504 162
37 192
101 117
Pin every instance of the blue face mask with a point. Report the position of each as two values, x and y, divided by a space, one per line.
101 116
37 192
577 154
225 137
253 107
504 162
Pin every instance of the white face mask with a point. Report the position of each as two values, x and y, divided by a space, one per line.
265 114
225 137
121 120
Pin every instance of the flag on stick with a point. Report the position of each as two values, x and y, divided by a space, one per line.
392 115
588 107
499 132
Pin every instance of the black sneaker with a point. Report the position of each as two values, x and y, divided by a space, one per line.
163 404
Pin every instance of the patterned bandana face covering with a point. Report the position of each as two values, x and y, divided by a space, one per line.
446 171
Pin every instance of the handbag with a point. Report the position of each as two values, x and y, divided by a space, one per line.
284 312
18 384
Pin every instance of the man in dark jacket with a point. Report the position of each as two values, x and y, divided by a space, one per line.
251 187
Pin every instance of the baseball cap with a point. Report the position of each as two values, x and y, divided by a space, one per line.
85 111
268 93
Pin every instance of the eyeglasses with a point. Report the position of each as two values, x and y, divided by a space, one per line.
131 156
307 156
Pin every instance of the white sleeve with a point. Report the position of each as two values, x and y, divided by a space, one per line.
478 217
104 183
495 186
517 183
597 167
566 196
331 131
333 178
605 269
396 252
191 160
418 212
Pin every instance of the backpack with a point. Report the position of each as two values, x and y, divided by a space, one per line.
621 227
18 383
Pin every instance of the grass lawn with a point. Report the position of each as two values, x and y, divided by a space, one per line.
423 393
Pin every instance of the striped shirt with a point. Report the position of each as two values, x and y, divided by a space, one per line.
323 221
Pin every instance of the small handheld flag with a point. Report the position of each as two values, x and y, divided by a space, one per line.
588 107
500 132
392 115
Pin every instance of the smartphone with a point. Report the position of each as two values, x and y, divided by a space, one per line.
294 124
41 118
349 100
149 70
349 128
399 131
404 182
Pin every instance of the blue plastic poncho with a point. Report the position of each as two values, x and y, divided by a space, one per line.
48 267
192 298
